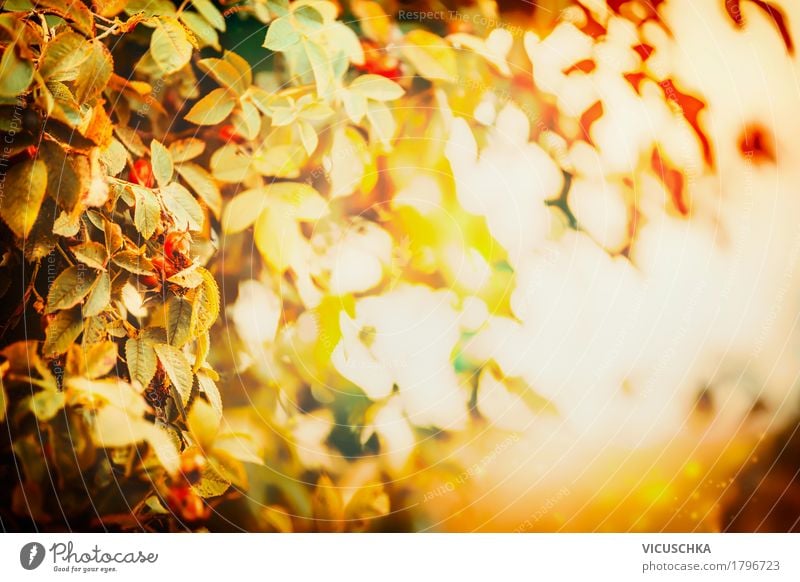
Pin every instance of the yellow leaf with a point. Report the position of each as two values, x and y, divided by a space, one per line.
203 422
170 45
213 108
22 194
70 287
430 55
374 22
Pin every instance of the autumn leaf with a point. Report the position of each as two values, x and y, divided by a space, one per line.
70 287
24 189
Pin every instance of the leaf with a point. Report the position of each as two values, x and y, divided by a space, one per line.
231 164
178 370
62 57
211 391
68 176
188 278
213 108
281 35
246 120
321 67
382 121
133 262
184 209
306 203
210 13
94 74
206 301
64 329
225 74
376 87
308 135
203 346
46 404
187 149
211 483
374 22
327 506
99 358
114 428
203 184
3 401
278 236
202 30
430 55
161 161
169 44
70 287
23 192
16 73
179 320
92 254
141 359
100 296
72 10
481 47
243 210
146 212
203 422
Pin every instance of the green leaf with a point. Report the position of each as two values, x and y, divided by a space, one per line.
430 55
281 35
243 210
161 161
94 74
211 484
147 211
62 57
100 296
179 320
225 74
23 192
46 404
170 45
92 254
61 332
70 287
178 370
202 30
141 359
213 108
376 87
184 209
203 185
210 13
15 73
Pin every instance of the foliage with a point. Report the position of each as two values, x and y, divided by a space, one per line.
146 158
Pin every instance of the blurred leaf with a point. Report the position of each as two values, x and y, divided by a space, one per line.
203 422
46 404
376 87
184 150
207 302
281 35
327 506
225 74
24 188
73 11
374 22
243 210
95 72
203 184
99 359
70 287
430 55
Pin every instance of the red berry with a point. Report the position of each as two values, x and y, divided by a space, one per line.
142 173
227 133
